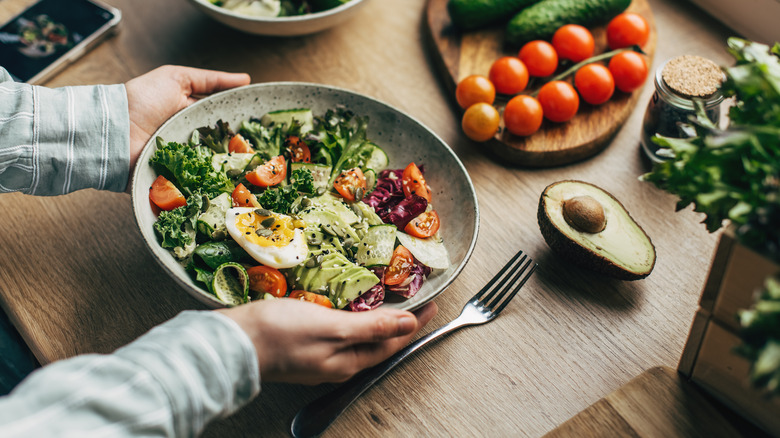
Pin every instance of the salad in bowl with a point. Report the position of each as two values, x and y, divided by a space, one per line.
296 202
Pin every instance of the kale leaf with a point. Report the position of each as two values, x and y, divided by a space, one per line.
190 169
280 199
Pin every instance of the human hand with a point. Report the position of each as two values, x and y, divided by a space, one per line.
154 97
301 342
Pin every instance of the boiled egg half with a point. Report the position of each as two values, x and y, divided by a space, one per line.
274 240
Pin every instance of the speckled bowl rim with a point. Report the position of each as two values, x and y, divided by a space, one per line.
141 204
288 19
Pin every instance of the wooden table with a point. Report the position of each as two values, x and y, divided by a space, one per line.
75 277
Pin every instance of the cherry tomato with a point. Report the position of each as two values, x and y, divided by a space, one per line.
475 89
426 224
629 70
595 83
238 144
414 183
573 42
165 194
626 30
480 121
242 197
509 75
400 267
270 173
348 182
267 280
299 150
311 297
559 101
523 115
539 57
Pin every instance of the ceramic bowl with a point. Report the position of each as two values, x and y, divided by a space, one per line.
281 26
402 137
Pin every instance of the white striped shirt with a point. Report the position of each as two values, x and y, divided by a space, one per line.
172 381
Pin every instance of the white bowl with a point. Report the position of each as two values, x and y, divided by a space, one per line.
402 137
281 26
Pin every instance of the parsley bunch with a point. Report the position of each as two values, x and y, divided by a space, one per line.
733 174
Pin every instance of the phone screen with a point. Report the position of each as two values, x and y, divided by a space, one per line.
38 38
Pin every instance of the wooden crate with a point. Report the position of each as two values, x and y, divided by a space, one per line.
708 358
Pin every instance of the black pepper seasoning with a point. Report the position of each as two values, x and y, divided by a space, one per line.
678 82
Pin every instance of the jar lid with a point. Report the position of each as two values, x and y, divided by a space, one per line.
692 76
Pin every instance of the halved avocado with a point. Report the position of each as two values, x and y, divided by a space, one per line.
588 226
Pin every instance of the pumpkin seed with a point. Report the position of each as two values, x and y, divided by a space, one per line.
267 222
264 232
262 212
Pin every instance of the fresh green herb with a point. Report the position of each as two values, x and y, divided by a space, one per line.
267 141
176 228
733 174
190 169
761 337
280 199
216 138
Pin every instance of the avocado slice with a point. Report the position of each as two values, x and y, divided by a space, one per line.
588 226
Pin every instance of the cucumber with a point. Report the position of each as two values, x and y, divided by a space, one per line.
304 116
376 157
320 173
376 247
231 284
474 14
541 20
212 221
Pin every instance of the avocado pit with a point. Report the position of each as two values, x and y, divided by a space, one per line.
585 214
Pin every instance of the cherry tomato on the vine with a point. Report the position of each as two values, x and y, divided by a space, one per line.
559 101
523 115
595 83
539 57
573 42
626 30
480 121
629 70
475 89
509 75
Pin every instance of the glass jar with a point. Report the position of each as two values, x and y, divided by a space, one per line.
677 83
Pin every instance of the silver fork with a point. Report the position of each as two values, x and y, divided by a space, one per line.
315 417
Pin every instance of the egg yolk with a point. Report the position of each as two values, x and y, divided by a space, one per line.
266 230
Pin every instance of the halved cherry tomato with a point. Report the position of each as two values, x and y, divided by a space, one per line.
627 29
238 144
311 297
559 101
539 57
270 173
475 89
573 42
426 224
400 267
299 150
242 197
508 74
413 182
165 194
267 280
480 121
523 115
348 183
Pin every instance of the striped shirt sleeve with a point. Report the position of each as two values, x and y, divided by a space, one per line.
171 382
57 141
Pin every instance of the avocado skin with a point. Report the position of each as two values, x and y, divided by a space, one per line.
541 20
577 254
474 14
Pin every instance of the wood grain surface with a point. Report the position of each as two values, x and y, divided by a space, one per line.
75 277
460 54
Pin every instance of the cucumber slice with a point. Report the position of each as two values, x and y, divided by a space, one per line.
212 220
320 173
431 252
377 158
304 116
376 247
236 162
231 284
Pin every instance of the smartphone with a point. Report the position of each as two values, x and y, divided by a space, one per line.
51 34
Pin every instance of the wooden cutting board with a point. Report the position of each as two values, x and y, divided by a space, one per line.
590 131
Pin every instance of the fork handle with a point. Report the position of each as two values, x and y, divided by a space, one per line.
315 417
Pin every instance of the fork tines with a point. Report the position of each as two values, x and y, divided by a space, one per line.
499 291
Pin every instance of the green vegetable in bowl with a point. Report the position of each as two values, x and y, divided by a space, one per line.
733 174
